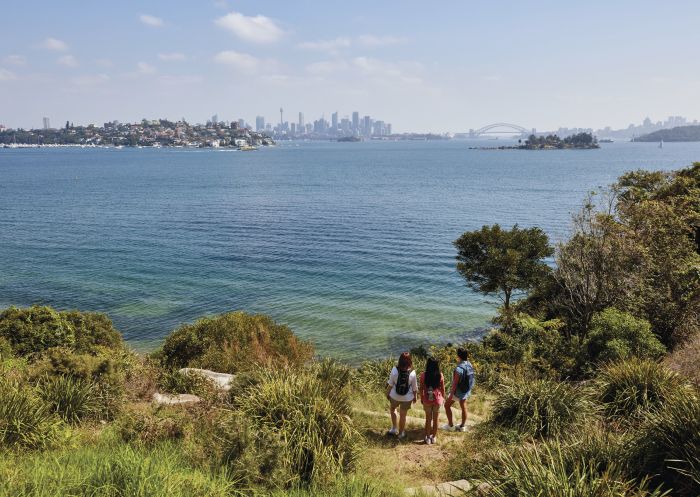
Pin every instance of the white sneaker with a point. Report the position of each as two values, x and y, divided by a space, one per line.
461 428
427 440
392 432
433 440
402 435
447 427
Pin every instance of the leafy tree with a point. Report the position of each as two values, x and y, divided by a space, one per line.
497 261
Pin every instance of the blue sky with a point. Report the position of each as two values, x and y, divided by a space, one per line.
446 66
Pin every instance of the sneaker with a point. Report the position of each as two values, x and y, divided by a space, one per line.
427 440
461 428
447 427
433 440
402 435
392 432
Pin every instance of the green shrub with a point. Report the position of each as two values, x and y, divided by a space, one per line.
5 349
539 408
311 418
545 471
38 328
149 427
234 342
372 376
25 421
616 335
104 369
628 390
111 471
73 399
667 444
174 381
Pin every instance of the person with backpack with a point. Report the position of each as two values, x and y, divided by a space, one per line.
432 396
401 392
461 389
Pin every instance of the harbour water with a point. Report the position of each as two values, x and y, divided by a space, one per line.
350 244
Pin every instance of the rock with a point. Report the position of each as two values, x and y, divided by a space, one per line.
221 380
175 399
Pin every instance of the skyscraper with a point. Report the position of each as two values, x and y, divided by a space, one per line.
301 120
259 123
367 126
334 121
47 123
281 117
356 121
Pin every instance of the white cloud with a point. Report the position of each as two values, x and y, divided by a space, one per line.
256 29
241 61
331 46
382 71
174 56
6 75
104 62
146 68
153 21
55 44
67 61
17 60
379 41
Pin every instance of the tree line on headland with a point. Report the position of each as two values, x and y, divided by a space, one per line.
587 384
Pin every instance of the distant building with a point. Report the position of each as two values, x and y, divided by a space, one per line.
47 123
214 119
301 120
259 123
241 123
334 121
356 121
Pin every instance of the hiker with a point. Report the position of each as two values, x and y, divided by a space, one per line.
401 392
461 389
432 396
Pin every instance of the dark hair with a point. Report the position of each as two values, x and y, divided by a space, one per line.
432 373
462 354
404 362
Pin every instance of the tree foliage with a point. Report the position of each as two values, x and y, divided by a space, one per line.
497 261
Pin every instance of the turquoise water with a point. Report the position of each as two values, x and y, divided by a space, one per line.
350 244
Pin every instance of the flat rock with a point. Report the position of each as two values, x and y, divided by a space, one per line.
446 489
174 399
221 380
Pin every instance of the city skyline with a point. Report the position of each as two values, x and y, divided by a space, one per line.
460 67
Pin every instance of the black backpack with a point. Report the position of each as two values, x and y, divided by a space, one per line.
402 382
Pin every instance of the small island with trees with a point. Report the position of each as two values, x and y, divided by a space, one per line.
579 141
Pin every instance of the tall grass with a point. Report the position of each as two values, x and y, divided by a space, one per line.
667 444
25 421
311 418
73 399
539 408
546 471
628 390
110 471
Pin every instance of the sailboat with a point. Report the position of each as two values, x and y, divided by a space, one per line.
661 143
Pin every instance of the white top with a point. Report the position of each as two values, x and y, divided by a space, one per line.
412 382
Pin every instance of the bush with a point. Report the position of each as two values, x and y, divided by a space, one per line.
546 470
73 399
372 376
311 418
104 369
234 342
38 328
667 444
25 421
628 390
539 408
147 428
685 359
616 335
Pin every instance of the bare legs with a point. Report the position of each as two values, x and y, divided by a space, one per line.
448 411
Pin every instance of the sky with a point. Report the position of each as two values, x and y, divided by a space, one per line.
422 66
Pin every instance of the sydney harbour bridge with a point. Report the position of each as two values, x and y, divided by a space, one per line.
501 129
